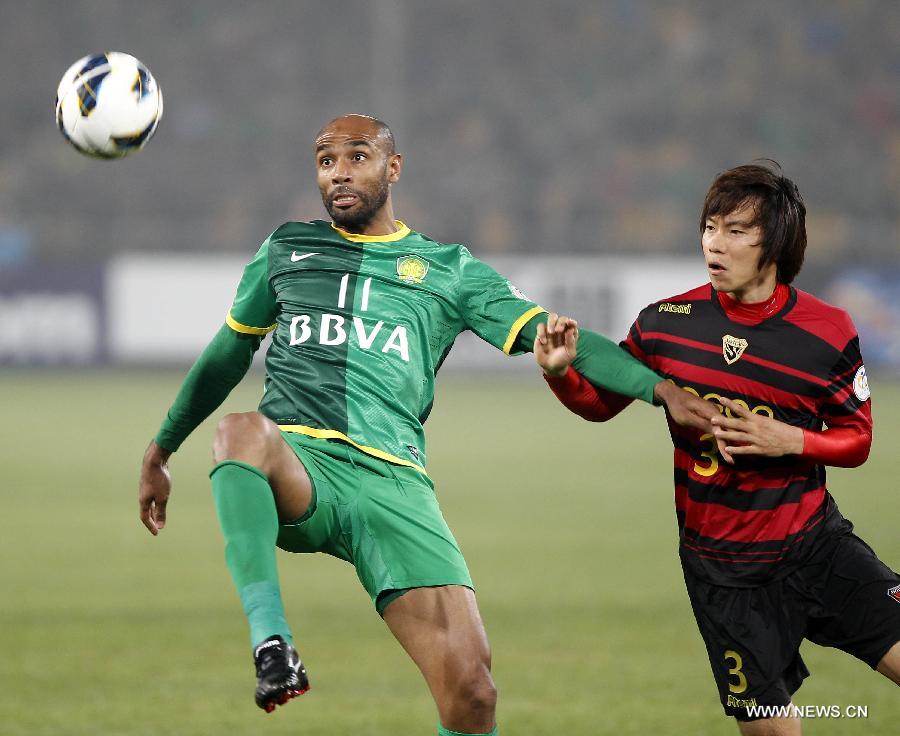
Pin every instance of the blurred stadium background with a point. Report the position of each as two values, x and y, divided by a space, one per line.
568 143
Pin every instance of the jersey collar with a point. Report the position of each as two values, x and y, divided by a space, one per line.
753 314
402 231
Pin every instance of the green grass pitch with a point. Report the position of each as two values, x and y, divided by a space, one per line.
568 528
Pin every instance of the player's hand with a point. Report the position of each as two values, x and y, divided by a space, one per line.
746 433
154 488
555 346
689 410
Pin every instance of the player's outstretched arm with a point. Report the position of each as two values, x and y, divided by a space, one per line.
602 362
217 371
606 365
555 347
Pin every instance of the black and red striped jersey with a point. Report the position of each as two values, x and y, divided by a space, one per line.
751 522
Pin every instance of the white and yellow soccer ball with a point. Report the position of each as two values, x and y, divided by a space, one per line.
108 105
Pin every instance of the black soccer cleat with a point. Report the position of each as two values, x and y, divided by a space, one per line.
280 675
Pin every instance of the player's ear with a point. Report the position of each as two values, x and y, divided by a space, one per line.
395 164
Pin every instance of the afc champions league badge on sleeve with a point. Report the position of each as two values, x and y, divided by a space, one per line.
516 292
861 384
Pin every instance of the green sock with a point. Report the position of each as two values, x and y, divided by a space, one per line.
249 522
447 732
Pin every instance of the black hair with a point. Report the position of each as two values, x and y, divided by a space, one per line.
778 210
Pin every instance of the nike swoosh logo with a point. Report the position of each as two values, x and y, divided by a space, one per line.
295 257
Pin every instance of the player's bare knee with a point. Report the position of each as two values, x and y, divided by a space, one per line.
485 695
243 436
477 693
889 666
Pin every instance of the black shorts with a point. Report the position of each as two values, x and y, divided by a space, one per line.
842 597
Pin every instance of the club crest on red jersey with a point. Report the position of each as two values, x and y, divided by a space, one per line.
895 593
411 269
733 348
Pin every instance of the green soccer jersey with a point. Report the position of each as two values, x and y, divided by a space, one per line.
361 325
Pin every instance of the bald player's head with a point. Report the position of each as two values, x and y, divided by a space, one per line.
356 164
378 129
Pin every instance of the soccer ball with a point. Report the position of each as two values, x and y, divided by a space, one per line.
108 105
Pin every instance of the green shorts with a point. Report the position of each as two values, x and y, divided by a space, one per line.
382 518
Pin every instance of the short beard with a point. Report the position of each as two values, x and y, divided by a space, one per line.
369 204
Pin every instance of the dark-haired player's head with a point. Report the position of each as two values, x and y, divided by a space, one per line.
768 202
356 162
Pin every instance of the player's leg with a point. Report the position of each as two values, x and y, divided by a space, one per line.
771 727
254 439
860 607
752 637
889 666
256 481
441 629
401 542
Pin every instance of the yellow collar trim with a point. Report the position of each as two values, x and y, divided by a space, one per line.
401 233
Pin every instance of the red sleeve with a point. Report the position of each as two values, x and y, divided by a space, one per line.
581 397
846 442
842 447
846 411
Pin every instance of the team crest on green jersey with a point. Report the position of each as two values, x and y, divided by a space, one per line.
412 269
